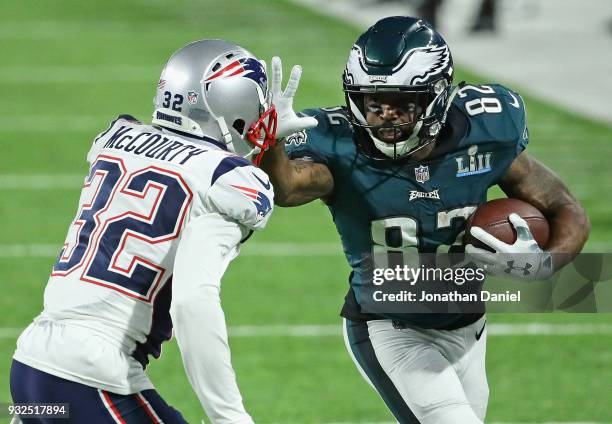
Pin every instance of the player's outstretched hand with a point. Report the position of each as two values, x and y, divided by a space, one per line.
288 121
524 259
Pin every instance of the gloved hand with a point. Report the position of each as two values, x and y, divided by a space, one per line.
288 121
524 259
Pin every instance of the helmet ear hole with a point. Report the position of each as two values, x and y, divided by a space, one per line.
239 125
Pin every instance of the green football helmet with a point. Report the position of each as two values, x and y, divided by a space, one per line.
403 58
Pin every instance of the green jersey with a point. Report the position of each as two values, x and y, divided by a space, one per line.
398 206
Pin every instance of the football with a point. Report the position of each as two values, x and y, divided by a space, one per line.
493 218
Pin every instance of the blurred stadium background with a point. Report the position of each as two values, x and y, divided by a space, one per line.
68 68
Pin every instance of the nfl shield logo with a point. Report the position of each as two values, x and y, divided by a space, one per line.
192 97
421 173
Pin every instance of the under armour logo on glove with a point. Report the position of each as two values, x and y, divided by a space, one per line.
524 259
512 268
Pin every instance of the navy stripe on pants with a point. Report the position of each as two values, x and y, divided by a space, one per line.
87 404
363 351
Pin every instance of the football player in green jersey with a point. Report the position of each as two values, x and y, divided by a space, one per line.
401 167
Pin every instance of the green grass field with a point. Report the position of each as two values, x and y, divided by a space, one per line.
70 67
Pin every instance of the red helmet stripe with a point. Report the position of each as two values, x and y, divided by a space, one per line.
225 70
236 72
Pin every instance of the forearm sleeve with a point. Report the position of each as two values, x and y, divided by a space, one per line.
207 246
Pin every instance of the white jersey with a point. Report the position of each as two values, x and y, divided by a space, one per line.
150 193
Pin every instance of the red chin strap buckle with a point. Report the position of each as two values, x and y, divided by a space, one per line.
266 122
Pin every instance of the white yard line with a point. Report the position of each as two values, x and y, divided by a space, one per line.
291 249
44 124
333 330
77 74
65 29
10 332
249 249
29 250
285 330
494 330
393 422
296 249
41 182
542 329
53 181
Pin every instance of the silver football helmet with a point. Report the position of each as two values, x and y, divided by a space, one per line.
216 89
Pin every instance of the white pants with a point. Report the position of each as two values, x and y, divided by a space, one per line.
424 376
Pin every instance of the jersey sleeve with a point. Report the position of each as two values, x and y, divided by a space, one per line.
208 244
496 132
496 115
515 116
318 144
241 192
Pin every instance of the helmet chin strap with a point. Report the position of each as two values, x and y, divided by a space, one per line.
225 132
230 146
229 140
400 148
451 96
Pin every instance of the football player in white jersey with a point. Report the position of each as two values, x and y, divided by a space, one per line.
162 212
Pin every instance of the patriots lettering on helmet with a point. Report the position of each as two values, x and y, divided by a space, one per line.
260 200
247 67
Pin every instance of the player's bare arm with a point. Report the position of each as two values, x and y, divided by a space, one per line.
296 182
530 180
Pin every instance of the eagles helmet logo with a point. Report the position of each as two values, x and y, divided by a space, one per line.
419 64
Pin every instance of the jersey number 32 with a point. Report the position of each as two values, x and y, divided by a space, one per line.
122 213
